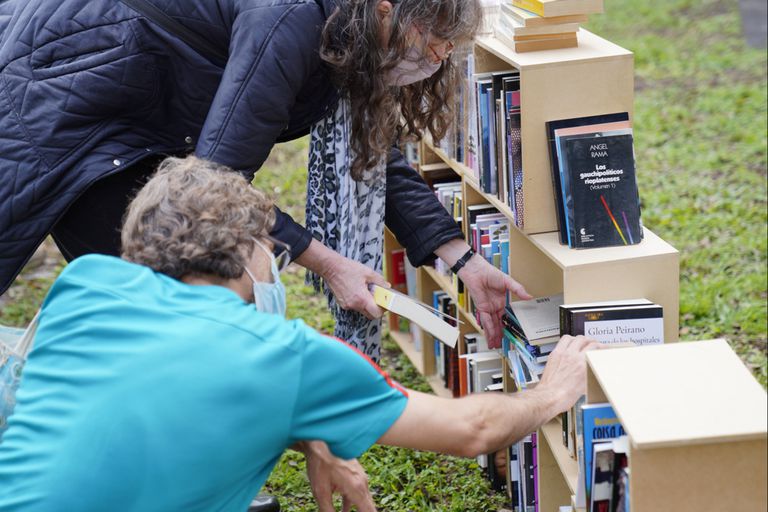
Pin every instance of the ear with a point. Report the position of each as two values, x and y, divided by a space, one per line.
384 10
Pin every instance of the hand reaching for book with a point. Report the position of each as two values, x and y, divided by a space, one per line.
566 370
488 287
328 474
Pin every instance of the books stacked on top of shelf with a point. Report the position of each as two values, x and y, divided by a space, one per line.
635 321
532 25
530 334
593 174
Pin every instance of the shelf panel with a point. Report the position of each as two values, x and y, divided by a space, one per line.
700 393
405 343
591 48
566 258
553 434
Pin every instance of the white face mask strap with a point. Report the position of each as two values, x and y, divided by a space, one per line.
250 274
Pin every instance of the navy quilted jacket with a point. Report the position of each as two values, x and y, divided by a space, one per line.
89 87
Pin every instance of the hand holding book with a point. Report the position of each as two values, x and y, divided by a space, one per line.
489 288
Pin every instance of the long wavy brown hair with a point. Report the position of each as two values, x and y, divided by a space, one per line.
351 46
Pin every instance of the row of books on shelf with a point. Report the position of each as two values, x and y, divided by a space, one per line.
531 331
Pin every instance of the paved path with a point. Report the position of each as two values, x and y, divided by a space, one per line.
754 21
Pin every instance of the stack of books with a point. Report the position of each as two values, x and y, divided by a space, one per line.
531 25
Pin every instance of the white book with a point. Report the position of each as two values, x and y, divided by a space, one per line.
416 312
539 318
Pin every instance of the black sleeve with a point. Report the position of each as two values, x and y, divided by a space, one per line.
413 213
291 232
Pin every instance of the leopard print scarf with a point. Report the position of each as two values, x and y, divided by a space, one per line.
346 216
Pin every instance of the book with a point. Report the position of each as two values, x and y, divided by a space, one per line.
600 425
530 19
396 277
601 477
601 200
513 26
539 318
549 8
553 125
416 312
536 45
638 325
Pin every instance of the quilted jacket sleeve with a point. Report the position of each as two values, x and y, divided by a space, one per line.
415 216
273 51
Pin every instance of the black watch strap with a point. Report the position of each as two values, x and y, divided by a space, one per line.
462 261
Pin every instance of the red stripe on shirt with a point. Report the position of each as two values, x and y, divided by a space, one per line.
393 384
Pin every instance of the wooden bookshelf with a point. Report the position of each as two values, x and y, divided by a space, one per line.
697 425
595 78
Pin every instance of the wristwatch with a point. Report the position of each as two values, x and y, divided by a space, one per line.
462 261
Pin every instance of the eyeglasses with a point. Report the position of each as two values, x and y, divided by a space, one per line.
280 250
441 48
447 50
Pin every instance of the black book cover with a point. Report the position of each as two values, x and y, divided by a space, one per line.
641 325
554 161
602 204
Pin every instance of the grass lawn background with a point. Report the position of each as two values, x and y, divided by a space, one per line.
700 140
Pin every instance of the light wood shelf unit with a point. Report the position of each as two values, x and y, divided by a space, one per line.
595 78
697 427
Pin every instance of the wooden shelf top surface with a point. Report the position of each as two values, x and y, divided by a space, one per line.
682 393
565 257
591 47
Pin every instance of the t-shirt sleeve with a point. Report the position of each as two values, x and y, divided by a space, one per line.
344 398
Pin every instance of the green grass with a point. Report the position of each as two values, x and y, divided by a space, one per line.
700 128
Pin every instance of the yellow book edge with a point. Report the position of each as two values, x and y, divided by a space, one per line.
415 311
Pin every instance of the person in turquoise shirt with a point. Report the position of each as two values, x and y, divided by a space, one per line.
170 380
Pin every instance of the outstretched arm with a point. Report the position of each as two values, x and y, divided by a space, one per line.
484 423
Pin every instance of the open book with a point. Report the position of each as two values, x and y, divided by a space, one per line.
416 312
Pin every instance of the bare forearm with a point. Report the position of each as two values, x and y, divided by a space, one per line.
508 418
472 425
316 257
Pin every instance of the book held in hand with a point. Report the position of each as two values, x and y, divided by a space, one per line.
415 311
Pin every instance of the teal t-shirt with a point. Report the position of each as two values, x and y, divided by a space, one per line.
144 393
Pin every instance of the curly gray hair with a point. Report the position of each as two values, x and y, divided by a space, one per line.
195 217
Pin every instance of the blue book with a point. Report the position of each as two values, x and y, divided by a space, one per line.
600 425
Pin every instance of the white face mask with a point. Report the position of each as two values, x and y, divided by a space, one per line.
413 68
268 297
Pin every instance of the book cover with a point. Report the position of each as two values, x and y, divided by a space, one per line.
413 310
547 8
553 125
567 309
639 325
538 318
600 425
602 477
530 19
602 204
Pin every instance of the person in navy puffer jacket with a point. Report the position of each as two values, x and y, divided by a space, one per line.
94 93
